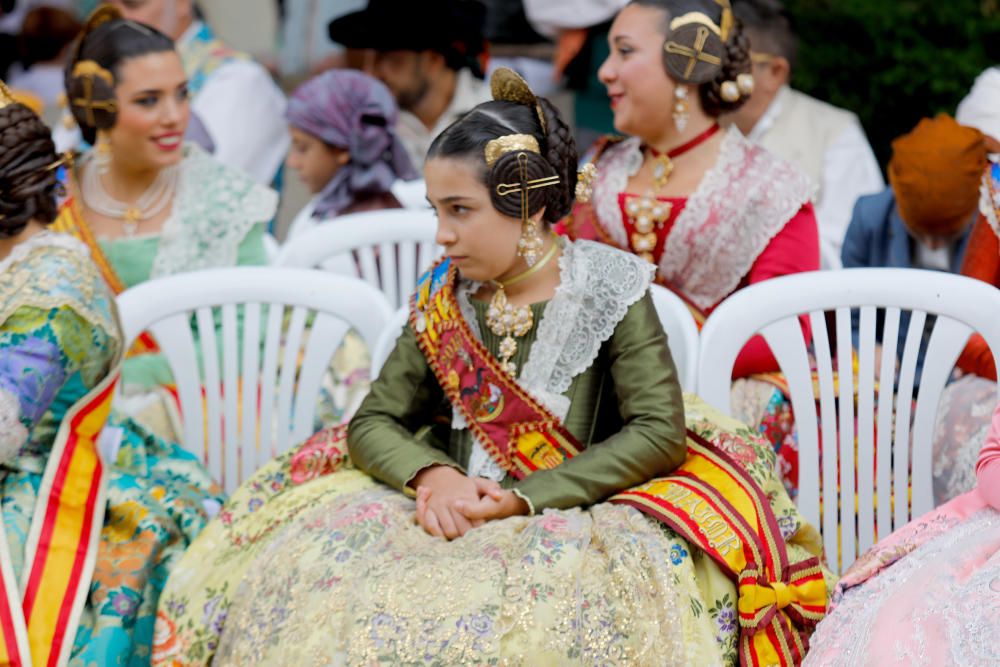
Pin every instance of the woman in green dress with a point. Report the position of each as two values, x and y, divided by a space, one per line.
147 203
95 509
519 485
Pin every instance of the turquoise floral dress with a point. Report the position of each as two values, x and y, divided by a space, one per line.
59 338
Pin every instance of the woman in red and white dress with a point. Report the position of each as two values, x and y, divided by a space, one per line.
714 212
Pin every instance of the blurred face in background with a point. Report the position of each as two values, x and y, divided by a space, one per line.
171 17
153 112
408 74
315 161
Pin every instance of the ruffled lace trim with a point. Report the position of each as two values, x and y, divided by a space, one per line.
988 204
618 163
13 434
598 284
43 239
743 201
52 270
597 287
215 208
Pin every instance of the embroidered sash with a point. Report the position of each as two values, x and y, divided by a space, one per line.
713 503
710 500
71 221
39 628
518 433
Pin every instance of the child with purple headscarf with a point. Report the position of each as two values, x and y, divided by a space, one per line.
344 145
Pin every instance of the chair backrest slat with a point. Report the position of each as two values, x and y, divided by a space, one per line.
392 247
872 473
240 407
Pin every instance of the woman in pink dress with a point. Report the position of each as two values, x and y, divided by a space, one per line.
929 594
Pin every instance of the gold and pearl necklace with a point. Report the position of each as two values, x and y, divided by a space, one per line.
509 321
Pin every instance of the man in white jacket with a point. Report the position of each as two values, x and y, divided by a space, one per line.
826 142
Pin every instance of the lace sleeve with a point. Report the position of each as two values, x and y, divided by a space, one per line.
215 209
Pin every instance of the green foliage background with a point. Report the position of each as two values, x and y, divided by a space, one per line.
893 62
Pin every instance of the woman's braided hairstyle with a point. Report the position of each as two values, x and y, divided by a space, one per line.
734 52
28 161
467 138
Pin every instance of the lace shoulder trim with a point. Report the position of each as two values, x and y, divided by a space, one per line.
215 208
989 198
52 270
615 166
743 201
598 285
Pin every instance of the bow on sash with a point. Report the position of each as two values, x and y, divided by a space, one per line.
711 501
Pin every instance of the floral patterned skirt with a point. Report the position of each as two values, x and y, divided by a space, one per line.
159 499
312 562
929 596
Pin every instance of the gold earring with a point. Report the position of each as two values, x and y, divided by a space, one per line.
680 108
529 246
102 152
585 182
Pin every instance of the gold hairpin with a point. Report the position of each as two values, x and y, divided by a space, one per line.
509 143
92 69
6 97
727 20
65 158
504 189
695 18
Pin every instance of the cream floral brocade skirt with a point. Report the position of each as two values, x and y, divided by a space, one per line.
317 564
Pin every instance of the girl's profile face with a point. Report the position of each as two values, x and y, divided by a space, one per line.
481 242
316 161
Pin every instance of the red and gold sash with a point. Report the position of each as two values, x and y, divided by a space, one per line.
70 221
520 434
713 503
40 628
710 500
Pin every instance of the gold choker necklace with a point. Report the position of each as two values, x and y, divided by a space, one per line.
510 321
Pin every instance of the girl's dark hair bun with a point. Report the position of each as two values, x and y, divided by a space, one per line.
28 161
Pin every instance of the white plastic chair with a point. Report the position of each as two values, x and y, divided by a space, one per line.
682 335
411 194
962 305
387 340
388 249
277 306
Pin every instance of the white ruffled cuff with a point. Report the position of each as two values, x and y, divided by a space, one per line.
13 434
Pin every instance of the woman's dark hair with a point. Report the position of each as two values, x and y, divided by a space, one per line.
467 137
28 161
735 51
92 98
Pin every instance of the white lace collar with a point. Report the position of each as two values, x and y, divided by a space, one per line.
598 284
989 205
742 202
216 206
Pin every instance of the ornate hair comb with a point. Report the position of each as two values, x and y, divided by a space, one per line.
508 86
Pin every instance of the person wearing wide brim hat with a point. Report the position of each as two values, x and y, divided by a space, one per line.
430 55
